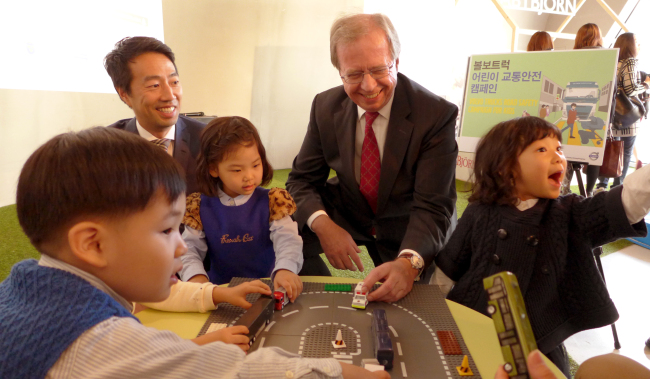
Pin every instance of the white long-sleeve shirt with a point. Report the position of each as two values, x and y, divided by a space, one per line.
287 243
187 297
121 347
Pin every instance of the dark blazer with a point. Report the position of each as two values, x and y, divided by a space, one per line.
417 192
549 249
186 145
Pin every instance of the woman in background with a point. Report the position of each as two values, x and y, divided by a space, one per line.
588 37
629 81
540 41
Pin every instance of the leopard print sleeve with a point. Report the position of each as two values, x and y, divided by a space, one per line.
281 204
192 217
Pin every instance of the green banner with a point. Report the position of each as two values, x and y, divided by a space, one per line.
571 89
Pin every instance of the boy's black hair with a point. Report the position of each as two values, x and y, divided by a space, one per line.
497 158
219 138
97 172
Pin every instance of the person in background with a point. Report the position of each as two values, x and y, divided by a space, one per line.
588 37
629 81
540 41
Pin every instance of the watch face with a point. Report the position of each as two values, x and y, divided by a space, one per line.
416 261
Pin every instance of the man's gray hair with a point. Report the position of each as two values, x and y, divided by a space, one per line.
349 28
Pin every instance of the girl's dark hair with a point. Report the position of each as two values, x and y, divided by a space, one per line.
497 156
221 137
626 45
540 41
98 172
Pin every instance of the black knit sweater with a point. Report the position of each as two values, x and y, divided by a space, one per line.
549 249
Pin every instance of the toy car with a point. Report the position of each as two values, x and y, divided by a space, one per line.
359 300
508 311
281 298
382 345
371 365
256 317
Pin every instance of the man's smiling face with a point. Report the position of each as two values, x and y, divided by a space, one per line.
156 92
369 52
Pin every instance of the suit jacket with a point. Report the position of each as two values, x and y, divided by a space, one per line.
417 191
186 145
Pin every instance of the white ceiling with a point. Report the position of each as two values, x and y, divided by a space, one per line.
591 11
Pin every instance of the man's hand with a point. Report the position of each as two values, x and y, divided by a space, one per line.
237 295
536 368
235 335
290 281
356 372
397 278
338 245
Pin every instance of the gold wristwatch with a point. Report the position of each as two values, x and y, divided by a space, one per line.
416 262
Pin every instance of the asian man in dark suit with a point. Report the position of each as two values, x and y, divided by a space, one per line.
145 77
392 145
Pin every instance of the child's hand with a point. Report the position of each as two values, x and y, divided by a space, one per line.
290 281
235 335
537 369
237 295
351 371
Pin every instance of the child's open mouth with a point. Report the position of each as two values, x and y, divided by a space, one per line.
556 178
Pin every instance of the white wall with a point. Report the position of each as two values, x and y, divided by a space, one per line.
50 47
263 60
30 118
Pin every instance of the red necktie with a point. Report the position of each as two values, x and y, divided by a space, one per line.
370 163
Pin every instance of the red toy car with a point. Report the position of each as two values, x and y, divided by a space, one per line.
281 298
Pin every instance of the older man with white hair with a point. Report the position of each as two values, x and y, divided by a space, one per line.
391 143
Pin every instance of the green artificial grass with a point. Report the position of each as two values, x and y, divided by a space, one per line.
14 245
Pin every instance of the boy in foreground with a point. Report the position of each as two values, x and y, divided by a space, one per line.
104 207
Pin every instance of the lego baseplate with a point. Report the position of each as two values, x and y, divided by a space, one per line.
308 327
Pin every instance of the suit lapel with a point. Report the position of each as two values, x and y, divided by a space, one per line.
398 136
345 122
131 127
181 143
